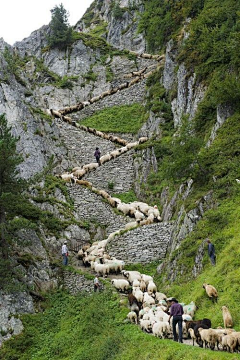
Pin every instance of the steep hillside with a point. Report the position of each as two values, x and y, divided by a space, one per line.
156 83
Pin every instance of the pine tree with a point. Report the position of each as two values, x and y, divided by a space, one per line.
61 32
11 185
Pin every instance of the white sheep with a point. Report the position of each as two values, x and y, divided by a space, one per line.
190 309
145 325
91 166
192 335
132 316
211 292
146 278
161 329
151 287
209 337
131 225
101 269
138 215
136 283
160 296
105 158
67 177
138 294
120 284
131 275
227 318
229 342
79 173
148 300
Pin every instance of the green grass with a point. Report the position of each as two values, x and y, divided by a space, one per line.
92 327
118 119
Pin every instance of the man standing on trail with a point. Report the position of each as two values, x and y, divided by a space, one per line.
176 311
97 155
65 253
96 284
211 252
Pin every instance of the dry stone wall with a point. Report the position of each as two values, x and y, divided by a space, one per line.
143 244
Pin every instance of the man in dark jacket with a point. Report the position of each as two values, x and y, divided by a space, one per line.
176 312
97 155
211 252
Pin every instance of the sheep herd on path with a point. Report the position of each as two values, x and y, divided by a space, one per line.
148 307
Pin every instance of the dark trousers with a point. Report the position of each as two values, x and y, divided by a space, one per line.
98 160
177 320
65 259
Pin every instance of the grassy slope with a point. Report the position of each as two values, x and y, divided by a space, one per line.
93 328
118 119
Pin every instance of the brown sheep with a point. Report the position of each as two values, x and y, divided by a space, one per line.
227 318
211 292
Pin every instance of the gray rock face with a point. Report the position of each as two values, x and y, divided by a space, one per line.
10 306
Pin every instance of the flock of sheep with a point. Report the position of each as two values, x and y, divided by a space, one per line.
148 307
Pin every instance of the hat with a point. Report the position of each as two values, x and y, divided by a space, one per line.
65 242
175 300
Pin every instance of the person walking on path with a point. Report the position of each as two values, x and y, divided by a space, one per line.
97 155
65 253
96 283
211 252
176 312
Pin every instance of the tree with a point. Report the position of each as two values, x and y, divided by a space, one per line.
11 185
61 35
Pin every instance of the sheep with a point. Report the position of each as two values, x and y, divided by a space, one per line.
145 325
156 213
124 208
104 194
193 323
131 225
91 166
148 300
114 154
237 337
192 335
151 287
143 285
161 329
160 296
79 173
120 284
208 336
227 318
138 215
67 177
131 275
105 158
142 140
132 316
197 334
211 292
190 309
138 294
114 265
101 269
76 168
146 278
135 307
132 299
84 182
229 342
136 283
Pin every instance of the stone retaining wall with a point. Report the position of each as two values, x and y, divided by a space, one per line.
142 245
